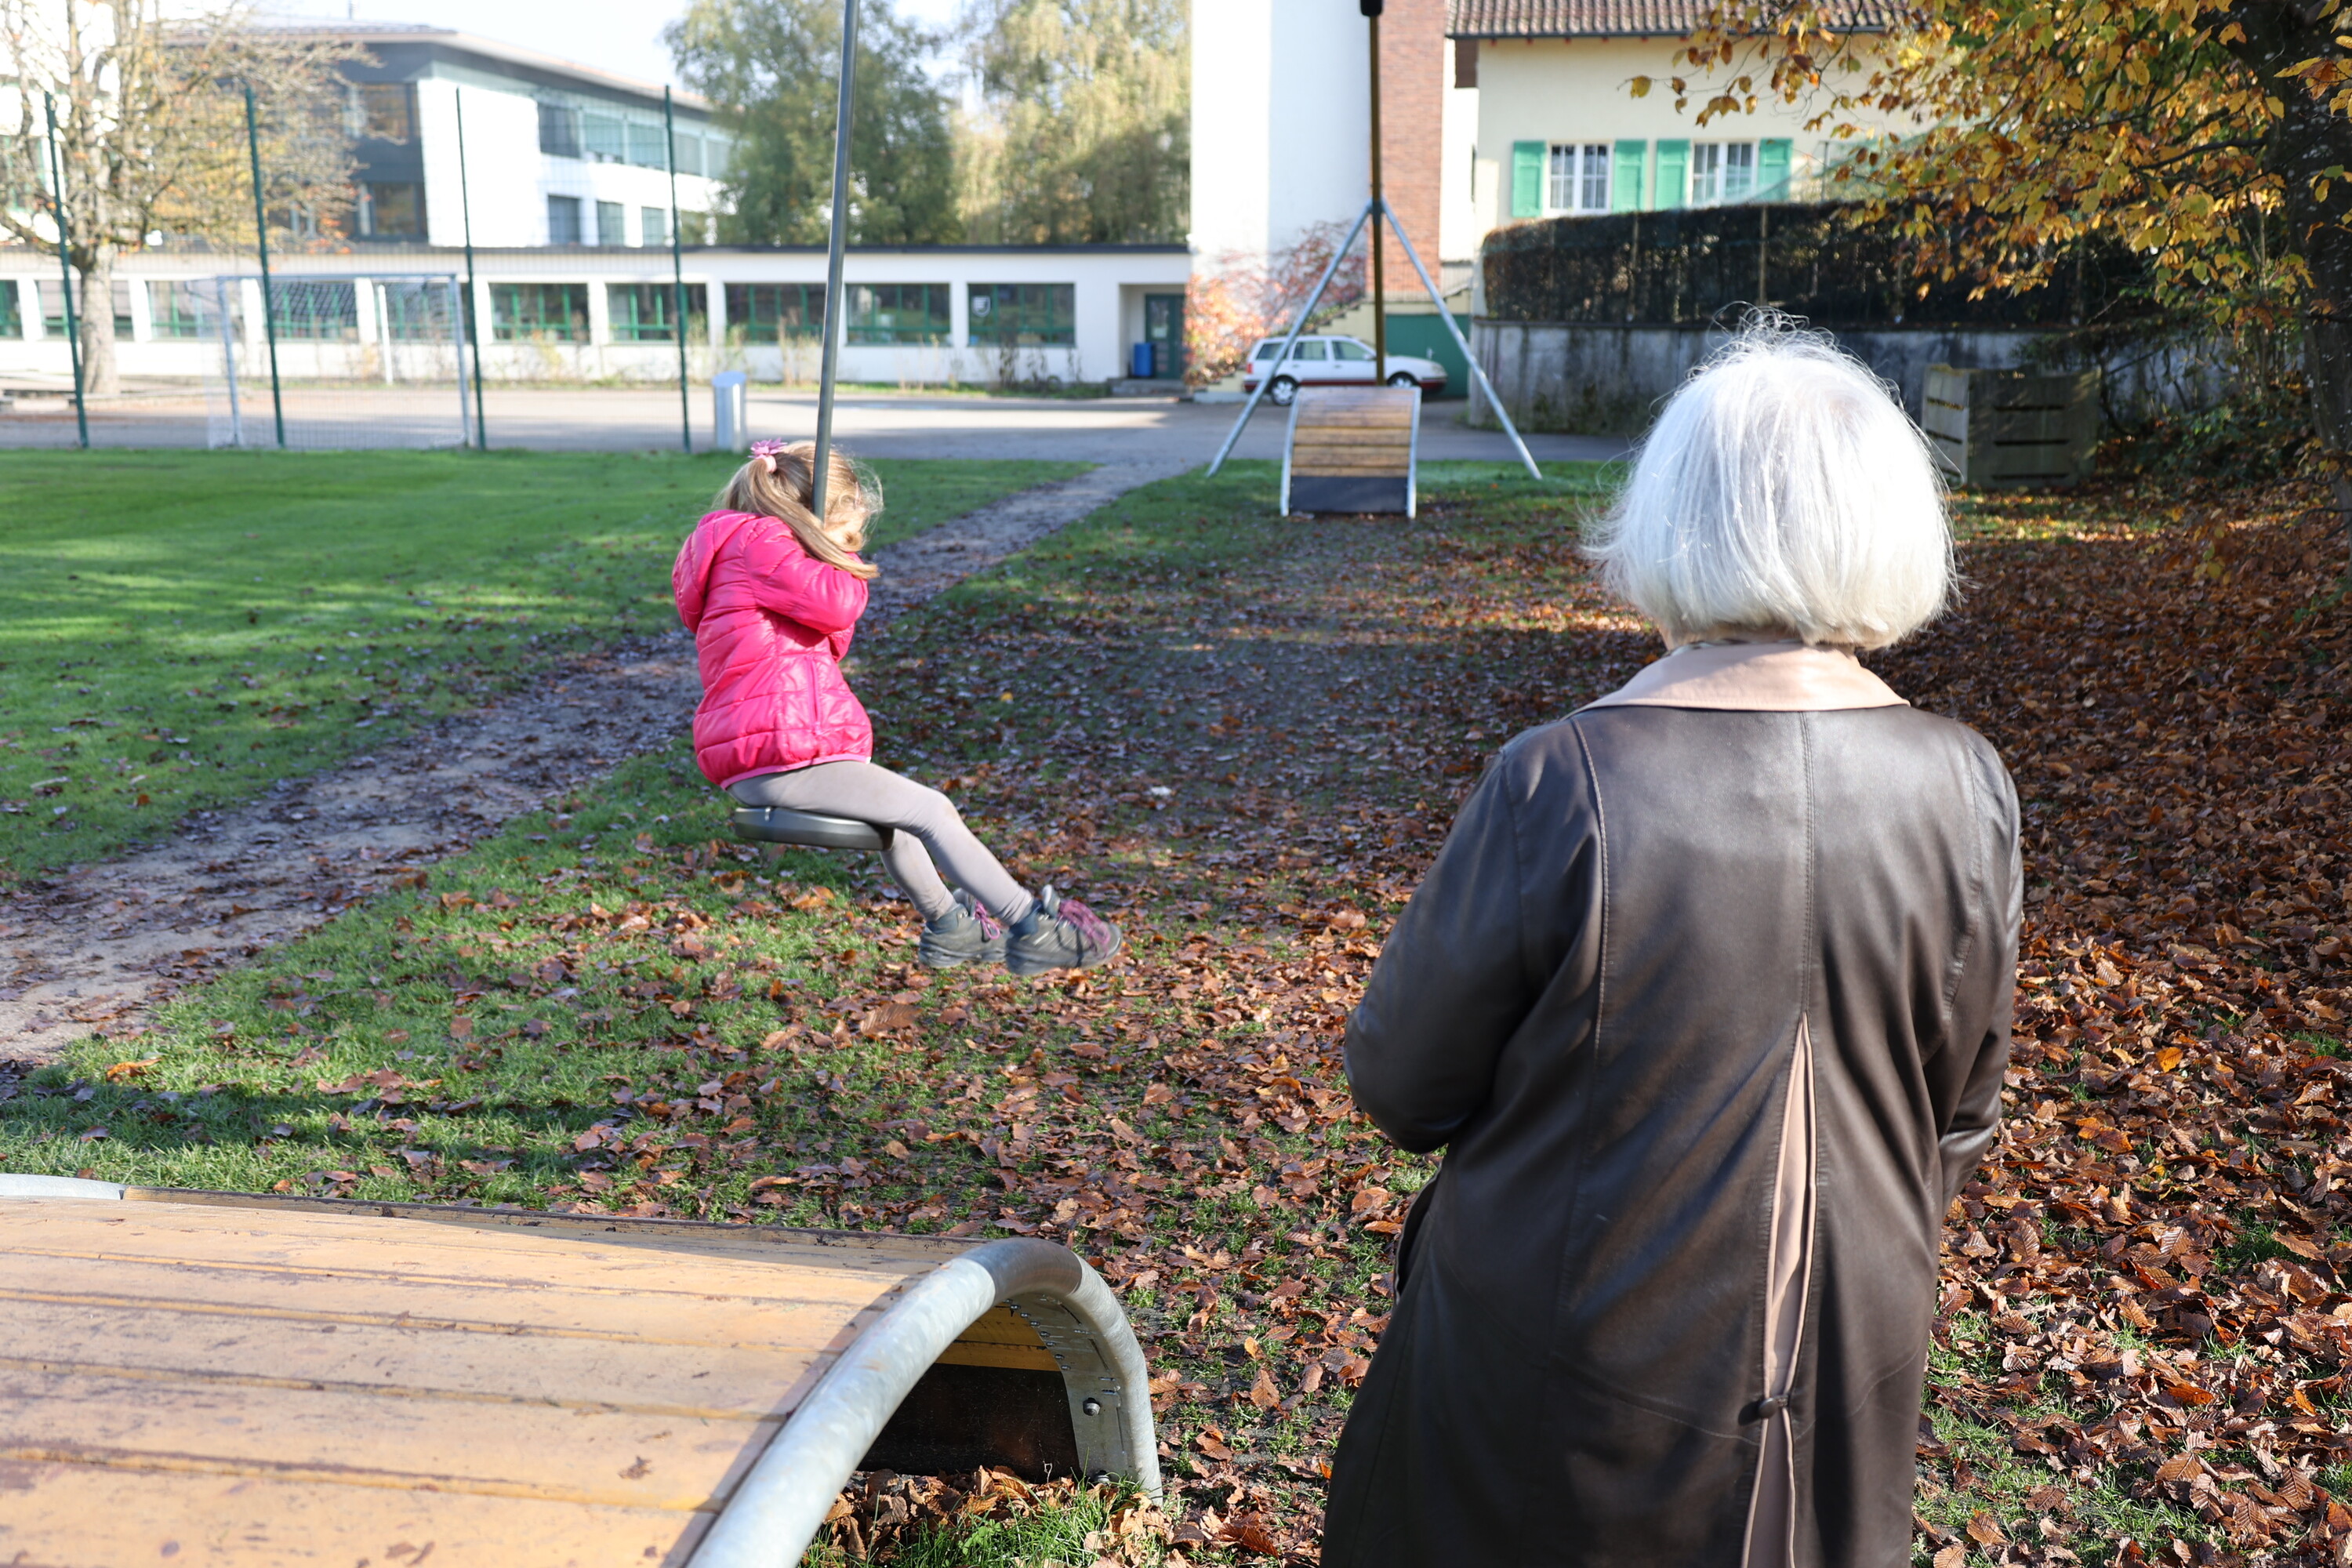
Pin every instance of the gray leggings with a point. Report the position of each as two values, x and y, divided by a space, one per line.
924 820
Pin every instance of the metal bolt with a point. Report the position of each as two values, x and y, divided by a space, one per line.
1091 1406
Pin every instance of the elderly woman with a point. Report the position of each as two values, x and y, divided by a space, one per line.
1706 999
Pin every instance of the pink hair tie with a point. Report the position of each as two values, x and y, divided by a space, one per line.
766 452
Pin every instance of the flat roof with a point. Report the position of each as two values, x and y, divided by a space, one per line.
489 48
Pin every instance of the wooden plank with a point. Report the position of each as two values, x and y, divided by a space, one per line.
838 1247
1353 419
72 1516
655 1253
699 1380
1398 440
1001 1338
1301 468
383 1438
355 1299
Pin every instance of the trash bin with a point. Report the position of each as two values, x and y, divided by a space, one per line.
1139 361
730 429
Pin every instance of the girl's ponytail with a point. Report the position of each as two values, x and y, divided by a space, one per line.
779 482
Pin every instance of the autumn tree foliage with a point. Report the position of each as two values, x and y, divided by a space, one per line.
2212 135
1238 298
150 133
772 67
1081 134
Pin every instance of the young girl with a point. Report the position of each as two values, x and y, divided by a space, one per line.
773 594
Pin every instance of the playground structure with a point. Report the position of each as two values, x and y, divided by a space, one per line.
1353 449
249 1380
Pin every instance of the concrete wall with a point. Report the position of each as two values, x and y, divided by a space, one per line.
1599 379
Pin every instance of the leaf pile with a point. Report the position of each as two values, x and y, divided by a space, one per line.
992 1518
1243 737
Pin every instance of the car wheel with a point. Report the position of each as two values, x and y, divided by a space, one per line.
1281 392
1404 378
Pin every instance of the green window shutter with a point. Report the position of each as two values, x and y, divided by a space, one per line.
1772 170
1673 174
1628 162
1527 178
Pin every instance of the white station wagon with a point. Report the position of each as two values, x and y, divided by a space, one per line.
1323 361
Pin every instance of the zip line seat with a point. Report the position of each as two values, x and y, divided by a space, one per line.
254 1380
809 829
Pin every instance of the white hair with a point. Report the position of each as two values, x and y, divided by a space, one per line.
1782 490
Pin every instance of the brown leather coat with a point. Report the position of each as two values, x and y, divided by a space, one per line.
1708 999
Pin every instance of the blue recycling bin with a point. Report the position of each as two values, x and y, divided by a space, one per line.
1139 361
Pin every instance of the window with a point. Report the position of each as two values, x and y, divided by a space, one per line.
563 220
392 211
314 310
645 145
53 307
1722 172
897 313
652 224
1308 348
559 130
690 152
1580 177
611 224
415 310
1024 314
641 311
716 151
606 141
12 314
546 312
1354 353
773 312
387 110
175 307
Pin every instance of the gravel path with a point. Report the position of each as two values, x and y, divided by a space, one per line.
92 950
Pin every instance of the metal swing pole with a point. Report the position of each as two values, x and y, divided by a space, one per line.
1297 327
836 241
1371 10
65 268
469 320
261 238
1460 341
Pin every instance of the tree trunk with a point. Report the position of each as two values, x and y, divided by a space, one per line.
2307 140
100 378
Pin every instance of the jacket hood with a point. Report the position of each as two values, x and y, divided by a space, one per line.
689 579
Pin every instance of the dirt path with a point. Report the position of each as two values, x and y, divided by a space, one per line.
92 950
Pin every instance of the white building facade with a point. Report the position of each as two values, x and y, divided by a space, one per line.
916 315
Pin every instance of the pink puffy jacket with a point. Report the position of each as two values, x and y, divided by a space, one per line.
771 624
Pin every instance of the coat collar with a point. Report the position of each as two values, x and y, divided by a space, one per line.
1762 678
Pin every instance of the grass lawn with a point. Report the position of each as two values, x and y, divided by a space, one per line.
179 629
1244 736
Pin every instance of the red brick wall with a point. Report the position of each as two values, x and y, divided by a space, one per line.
1412 88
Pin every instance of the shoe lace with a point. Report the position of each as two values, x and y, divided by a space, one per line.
1092 929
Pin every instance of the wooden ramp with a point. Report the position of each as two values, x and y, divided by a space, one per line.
192 1378
1351 449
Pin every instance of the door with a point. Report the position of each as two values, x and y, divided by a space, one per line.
1352 362
1164 329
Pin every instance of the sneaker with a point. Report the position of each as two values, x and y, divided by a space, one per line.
1063 934
966 934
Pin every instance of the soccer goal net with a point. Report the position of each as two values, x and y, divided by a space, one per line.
334 363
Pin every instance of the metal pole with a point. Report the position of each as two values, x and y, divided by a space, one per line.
1283 357
65 269
677 279
229 358
261 235
836 241
1380 286
1463 343
470 321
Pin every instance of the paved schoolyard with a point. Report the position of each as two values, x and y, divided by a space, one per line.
881 425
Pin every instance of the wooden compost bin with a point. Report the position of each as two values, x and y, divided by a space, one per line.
1999 429
211 1378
